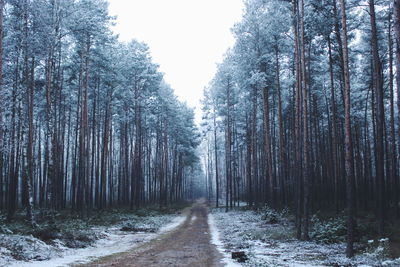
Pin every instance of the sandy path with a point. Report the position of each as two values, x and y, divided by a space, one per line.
189 245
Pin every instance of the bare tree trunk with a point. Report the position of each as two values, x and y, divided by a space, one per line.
348 138
165 163
282 150
12 170
83 134
253 169
228 148
396 9
340 46
380 118
94 177
216 157
334 130
1 105
30 160
306 173
393 149
267 143
104 155
249 162
298 165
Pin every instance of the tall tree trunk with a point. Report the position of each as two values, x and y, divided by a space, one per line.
282 150
334 130
267 143
216 157
29 83
228 147
340 46
306 173
393 149
83 135
396 9
12 170
94 177
104 155
1 104
253 169
348 138
249 162
297 164
380 117
30 157
138 160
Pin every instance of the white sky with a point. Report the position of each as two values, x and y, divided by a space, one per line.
186 38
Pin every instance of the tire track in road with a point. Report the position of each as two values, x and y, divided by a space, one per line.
189 245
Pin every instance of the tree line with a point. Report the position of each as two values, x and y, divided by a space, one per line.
86 121
302 111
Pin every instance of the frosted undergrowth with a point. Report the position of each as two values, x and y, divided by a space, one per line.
274 245
17 250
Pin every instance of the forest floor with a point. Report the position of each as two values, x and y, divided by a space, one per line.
267 238
68 240
193 236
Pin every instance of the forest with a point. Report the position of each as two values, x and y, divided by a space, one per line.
303 112
87 121
299 129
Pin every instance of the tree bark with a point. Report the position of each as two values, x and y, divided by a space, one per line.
298 161
30 157
334 131
380 118
348 138
306 173
1 104
396 11
282 150
216 157
393 149
267 144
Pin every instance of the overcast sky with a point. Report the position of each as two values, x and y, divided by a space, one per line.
186 38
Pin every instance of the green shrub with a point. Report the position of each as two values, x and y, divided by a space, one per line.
270 216
329 231
379 248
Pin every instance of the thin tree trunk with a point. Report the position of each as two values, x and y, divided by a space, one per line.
267 143
348 139
396 9
306 173
380 118
1 105
334 130
298 165
30 156
282 150
393 149
216 158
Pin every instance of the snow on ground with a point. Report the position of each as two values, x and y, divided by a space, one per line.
274 245
193 219
215 239
173 224
113 241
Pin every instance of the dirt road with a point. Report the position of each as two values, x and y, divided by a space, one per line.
189 245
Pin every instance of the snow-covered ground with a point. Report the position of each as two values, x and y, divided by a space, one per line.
216 240
273 244
15 248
